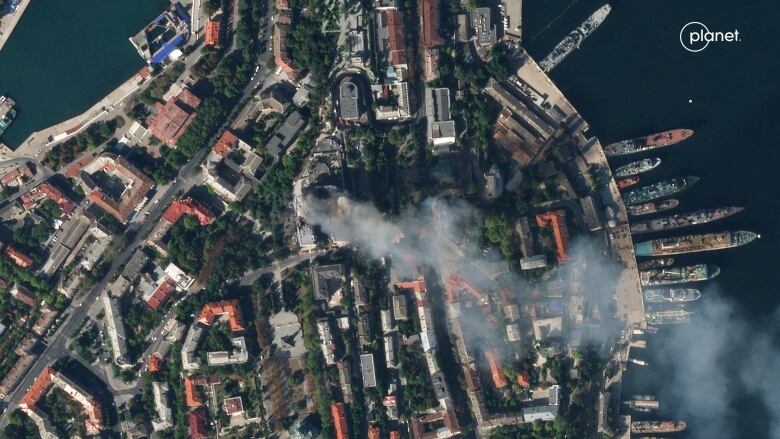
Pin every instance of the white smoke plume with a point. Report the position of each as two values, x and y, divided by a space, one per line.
717 361
445 235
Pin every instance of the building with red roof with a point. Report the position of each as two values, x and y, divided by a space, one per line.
161 294
213 28
17 257
226 143
191 393
15 176
418 286
522 380
188 206
557 221
228 309
47 191
499 379
155 363
395 36
373 432
49 378
234 406
338 412
395 434
430 23
118 201
174 117
196 422
446 418
281 52
23 295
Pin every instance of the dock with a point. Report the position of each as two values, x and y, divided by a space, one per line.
9 22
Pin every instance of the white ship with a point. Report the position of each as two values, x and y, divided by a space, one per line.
575 38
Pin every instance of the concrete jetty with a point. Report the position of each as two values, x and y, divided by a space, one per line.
9 22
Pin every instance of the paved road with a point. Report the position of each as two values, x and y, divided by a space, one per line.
278 267
56 347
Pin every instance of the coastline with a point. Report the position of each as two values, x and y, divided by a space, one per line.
39 142
9 22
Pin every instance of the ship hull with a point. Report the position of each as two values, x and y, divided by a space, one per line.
652 207
659 190
641 427
656 263
671 295
575 38
647 143
673 222
694 243
638 167
678 275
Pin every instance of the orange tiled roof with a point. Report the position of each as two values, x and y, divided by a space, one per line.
339 420
188 206
212 32
39 388
191 393
418 286
174 117
225 144
430 23
155 363
499 379
557 220
18 257
211 311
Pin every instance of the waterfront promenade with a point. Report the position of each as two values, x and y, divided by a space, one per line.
9 22
38 143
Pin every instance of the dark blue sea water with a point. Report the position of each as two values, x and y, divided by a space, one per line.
64 56
632 77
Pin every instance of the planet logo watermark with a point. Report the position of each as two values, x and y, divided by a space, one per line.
695 36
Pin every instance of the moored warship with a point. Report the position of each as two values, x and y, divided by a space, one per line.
678 275
654 295
646 143
694 243
575 38
660 189
652 207
658 426
638 167
655 263
678 221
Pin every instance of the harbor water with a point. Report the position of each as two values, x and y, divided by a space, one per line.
632 77
64 56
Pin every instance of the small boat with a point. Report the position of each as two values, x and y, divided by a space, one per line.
627 182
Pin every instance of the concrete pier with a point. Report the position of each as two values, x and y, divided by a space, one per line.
9 22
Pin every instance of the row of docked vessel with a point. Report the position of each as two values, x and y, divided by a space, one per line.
665 300
7 113
575 38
